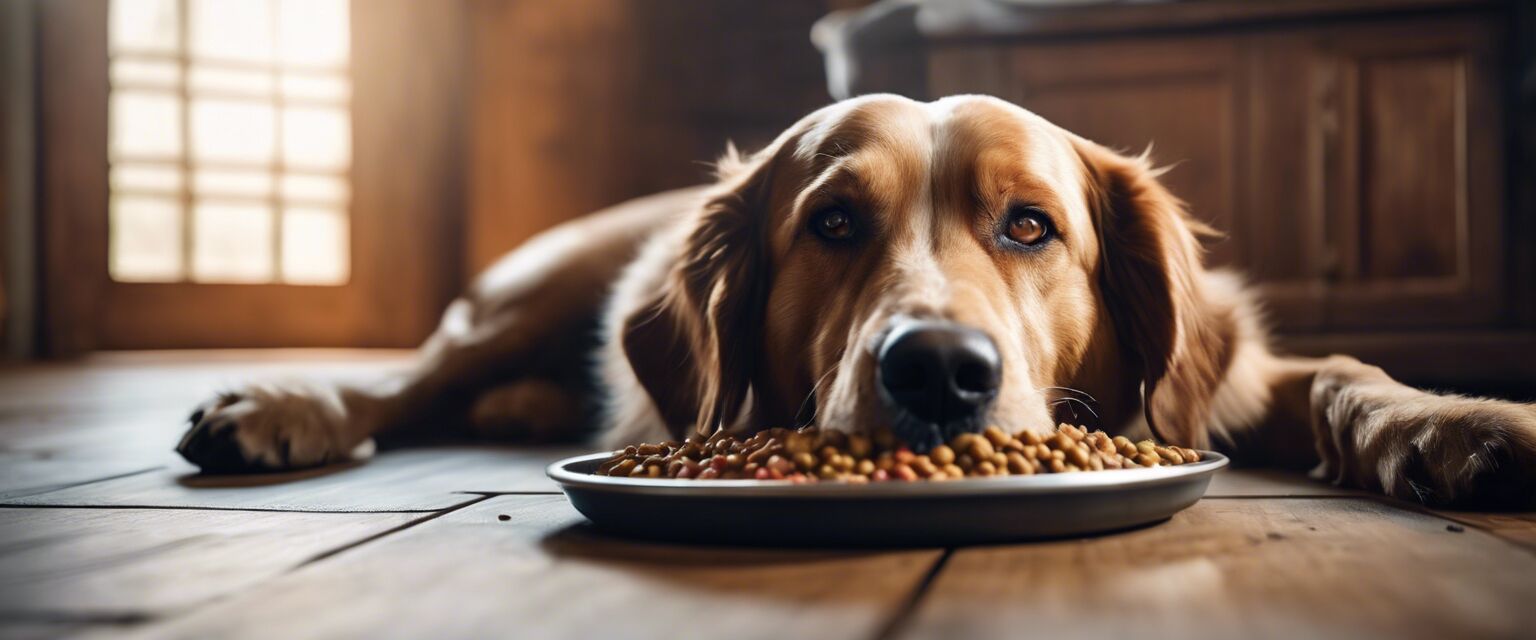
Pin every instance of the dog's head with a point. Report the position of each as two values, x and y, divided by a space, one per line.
931 268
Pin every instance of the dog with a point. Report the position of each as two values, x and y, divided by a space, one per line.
923 268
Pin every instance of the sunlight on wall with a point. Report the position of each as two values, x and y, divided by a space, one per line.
230 141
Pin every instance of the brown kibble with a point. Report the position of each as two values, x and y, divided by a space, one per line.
1077 456
805 461
1017 465
859 446
981 448
810 455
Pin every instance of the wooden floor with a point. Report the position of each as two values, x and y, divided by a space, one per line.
104 532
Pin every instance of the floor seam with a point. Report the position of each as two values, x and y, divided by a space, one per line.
8 505
143 620
909 605
28 493
387 532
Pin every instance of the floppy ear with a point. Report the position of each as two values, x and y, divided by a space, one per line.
1151 275
693 345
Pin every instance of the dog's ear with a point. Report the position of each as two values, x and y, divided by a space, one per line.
693 345
1151 276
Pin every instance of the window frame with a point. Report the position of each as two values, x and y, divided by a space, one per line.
403 265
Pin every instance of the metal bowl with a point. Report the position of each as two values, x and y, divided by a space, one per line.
967 511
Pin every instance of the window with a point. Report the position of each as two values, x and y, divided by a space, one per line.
229 141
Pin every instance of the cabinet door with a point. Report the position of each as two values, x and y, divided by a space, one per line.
1179 96
1376 176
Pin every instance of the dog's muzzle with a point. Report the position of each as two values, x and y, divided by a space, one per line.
938 379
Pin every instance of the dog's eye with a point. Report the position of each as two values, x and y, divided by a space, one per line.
1028 226
832 224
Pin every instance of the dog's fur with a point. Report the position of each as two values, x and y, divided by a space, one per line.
717 308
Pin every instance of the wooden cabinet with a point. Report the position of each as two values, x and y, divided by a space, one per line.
1359 166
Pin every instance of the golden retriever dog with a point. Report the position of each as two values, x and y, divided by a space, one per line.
885 264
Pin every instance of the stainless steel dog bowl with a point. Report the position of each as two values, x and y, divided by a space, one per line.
968 511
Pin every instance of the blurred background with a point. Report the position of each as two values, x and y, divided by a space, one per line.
323 173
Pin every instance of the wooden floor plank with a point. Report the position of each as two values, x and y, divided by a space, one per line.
1254 483
1239 568
418 479
525 566
173 379
1517 528
91 563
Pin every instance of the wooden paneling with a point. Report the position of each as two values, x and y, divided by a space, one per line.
577 105
72 193
1413 116
1178 99
1410 176
1355 166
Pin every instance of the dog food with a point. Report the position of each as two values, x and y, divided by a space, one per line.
811 455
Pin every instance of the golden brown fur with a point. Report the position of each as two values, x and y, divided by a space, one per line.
716 308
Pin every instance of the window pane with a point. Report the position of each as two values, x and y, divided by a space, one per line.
316 138
232 30
222 79
314 246
143 25
208 182
313 32
232 131
146 239
315 188
145 123
146 177
315 87
232 242
145 73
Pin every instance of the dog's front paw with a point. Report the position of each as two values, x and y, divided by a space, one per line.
269 428
1432 449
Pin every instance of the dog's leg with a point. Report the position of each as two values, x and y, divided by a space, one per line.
529 410
1372 432
532 315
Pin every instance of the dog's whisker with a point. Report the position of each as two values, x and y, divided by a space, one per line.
812 395
1072 399
1077 391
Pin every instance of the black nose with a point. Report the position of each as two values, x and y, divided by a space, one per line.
942 373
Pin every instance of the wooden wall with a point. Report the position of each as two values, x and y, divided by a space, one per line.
579 104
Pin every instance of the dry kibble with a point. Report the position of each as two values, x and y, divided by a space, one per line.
810 455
